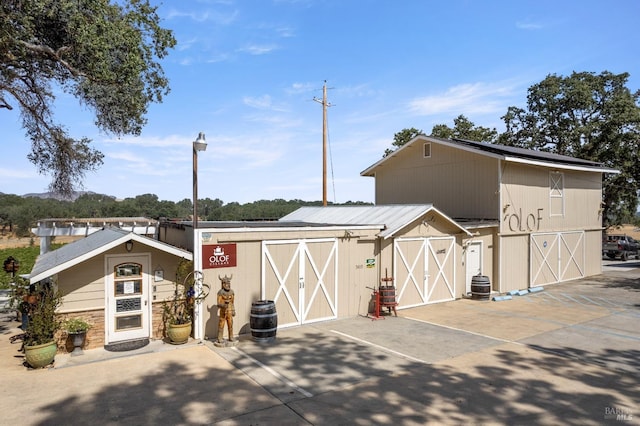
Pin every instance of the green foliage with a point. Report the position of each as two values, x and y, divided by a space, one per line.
402 138
179 308
104 53
590 116
43 321
75 325
27 258
19 214
464 129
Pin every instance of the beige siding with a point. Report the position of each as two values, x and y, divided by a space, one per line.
593 255
489 259
526 201
83 286
457 182
514 268
353 274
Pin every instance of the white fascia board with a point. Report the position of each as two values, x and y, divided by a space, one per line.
391 233
86 256
551 165
167 248
289 228
76 260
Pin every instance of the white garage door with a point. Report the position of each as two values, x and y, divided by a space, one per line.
301 277
556 257
424 270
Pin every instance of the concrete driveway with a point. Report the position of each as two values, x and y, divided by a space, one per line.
567 355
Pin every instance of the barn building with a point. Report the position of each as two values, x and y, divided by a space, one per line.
445 212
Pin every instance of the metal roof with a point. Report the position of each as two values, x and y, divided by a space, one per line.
71 254
506 153
390 218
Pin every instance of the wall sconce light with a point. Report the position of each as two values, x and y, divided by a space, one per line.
129 246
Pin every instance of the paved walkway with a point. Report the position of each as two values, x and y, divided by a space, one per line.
567 355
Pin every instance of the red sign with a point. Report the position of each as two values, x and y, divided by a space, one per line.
218 256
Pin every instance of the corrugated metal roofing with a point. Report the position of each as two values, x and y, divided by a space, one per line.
390 218
70 254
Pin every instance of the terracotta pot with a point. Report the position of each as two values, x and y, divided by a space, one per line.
39 356
179 333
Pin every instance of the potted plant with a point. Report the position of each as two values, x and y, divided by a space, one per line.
77 329
177 311
39 338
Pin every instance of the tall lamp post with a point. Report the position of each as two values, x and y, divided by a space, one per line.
199 144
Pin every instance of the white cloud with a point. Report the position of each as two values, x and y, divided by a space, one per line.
217 18
297 88
257 49
153 141
528 25
17 174
475 98
262 102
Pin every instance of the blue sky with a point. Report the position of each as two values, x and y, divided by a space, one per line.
246 72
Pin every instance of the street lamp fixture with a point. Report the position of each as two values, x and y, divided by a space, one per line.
199 144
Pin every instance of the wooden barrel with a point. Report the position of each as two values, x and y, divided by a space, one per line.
480 287
263 321
387 295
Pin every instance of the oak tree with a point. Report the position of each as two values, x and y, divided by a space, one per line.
463 128
590 116
104 53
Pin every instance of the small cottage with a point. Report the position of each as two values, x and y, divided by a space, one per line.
116 280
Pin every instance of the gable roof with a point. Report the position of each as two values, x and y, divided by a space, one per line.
505 153
390 218
71 254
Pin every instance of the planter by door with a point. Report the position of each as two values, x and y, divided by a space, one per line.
179 333
78 341
39 356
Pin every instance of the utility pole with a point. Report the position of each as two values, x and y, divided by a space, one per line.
325 104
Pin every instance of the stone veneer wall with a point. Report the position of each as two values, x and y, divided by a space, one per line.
95 335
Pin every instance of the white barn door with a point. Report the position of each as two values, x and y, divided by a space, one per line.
301 277
473 263
424 270
556 257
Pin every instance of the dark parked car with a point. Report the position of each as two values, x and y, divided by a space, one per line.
621 246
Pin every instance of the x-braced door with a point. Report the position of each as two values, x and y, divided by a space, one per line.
424 270
556 257
301 277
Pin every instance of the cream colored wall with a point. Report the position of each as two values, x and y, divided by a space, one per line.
593 257
355 279
458 183
514 265
526 206
487 237
353 275
83 285
526 201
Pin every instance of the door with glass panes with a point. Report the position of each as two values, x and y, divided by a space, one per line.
127 298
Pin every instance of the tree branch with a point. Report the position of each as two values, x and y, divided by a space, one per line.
56 54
